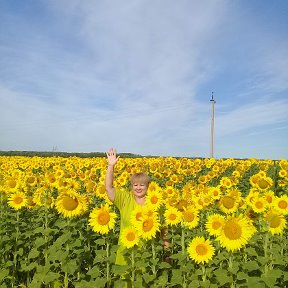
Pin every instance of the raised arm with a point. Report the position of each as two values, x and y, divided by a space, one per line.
112 160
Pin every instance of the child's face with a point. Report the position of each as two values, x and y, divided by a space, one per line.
139 189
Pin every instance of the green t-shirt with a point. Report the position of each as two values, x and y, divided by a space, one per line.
126 203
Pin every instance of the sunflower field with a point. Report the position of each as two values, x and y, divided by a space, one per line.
206 223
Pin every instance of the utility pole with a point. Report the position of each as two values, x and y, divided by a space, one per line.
212 128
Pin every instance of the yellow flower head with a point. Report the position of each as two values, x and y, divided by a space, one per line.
190 217
154 198
70 204
129 237
281 204
259 204
200 250
228 204
275 221
172 216
147 227
236 232
17 200
102 220
214 224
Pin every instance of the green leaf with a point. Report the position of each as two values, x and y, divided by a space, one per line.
164 265
50 276
195 283
100 241
62 255
242 276
119 269
63 239
176 278
148 278
255 282
70 267
250 266
222 277
29 267
234 268
251 251
40 242
4 273
94 272
34 253
271 277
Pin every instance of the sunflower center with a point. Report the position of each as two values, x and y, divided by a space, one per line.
30 180
154 199
52 178
275 221
262 183
201 249
18 200
215 192
233 230
130 236
189 216
12 183
138 216
216 225
282 204
228 202
103 218
259 205
69 203
147 225
172 216
269 199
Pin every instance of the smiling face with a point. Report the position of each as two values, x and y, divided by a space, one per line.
139 189
140 183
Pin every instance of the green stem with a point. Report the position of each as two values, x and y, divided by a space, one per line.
153 257
266 241
183 240
203 273
107 263
183 253
230 262
133 267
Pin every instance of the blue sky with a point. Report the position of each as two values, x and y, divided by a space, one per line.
84 76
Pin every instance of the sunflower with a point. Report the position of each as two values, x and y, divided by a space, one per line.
17 200
214 224
200 250
215 192
101 191
264 183
281 204
228 204
102 220
137 215
172 216
275 221
259 204
190 217
154 198
236 232
147 227
269 197
70 203
129 237
226 182
12 184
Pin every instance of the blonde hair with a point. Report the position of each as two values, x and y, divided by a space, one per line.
140 177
